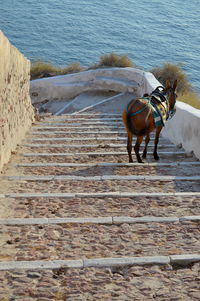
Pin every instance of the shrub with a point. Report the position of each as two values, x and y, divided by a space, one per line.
191 98
172 72
40 69
72 68
114 60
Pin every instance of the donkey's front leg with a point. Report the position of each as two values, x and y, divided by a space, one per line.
129 146
155 154
137 148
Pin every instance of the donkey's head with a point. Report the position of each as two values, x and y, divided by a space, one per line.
171 94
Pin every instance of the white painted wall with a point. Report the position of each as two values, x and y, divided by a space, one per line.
114 79
184 128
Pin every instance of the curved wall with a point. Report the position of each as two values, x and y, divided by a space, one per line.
71 85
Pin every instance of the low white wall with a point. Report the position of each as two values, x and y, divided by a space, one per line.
71 85
16 110
184 128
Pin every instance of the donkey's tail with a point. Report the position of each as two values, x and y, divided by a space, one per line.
129 124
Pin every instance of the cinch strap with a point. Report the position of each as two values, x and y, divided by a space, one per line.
137 112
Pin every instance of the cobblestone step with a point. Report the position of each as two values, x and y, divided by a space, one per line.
59 143
115 169
110 220
56 185
82 124
64 154
112 262
100 178
66 205
122 283
70 241
79 130
98 219
83 157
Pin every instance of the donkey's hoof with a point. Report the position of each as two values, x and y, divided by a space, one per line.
156 157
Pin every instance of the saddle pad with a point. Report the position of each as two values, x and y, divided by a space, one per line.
160 113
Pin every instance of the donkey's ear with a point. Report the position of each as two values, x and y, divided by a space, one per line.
175 85
168 84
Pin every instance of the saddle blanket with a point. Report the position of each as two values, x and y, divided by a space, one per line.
160 113
160 110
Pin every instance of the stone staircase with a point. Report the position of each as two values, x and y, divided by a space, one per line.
80 223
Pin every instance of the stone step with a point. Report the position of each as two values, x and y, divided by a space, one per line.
75 241
110 220
60 144
108 164
182 260
133 225
63 139
97 131
84 117
64 154
99 178
62 136
37 154
122 282
82 184
113 194
118 169
104 123
77 205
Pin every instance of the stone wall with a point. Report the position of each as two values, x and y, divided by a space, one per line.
16 110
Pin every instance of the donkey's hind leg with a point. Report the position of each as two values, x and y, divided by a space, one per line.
155 154
129 146
137 148
147 139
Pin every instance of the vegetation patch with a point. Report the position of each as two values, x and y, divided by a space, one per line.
114 60
191 98
40 69
173 72
184 88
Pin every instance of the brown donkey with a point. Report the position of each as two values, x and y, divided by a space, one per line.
144 115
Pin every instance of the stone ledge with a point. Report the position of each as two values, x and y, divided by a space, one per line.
100 178
99 194
183 260
116 220
92 154
112 262
106 164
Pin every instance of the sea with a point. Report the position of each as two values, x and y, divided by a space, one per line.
150 32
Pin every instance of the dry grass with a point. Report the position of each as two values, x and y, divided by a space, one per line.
113 60
41 69
173 72
191 98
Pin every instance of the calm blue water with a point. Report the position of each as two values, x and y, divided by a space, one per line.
64 31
